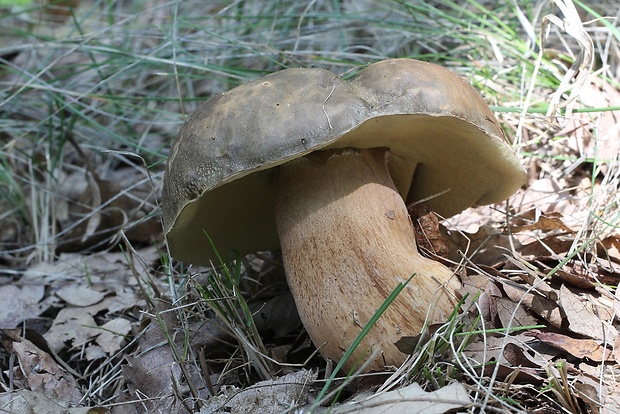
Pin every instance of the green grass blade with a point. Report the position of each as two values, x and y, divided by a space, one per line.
360 337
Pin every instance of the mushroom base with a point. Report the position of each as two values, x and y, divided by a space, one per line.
347 241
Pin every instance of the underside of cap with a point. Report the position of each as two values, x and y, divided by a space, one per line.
444 142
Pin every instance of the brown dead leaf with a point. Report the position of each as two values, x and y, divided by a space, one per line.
488 246
57 11
605 378
577 274
274 318
579 348
105 207
98 214
532 278
113 334
536 303
26 401
79 295
547 235
265 397
153 374
94 352
603 303
547 222
612 399
578 279
544 196
427 234
582 320
617 306
517 357
509 353
410 399
73 267
483 289
478 282
107 290
91 276
579 125
610 247
511 315
37 371
42 373
519 375
587 390
20 303
72 325
602 271
541 247
277 315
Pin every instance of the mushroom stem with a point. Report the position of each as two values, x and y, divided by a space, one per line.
347 241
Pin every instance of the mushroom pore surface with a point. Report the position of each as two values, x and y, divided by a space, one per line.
347 241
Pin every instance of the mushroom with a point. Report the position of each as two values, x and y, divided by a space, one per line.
324 168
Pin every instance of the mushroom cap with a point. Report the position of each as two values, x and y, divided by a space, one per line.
444 144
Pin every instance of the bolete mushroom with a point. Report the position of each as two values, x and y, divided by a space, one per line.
323 168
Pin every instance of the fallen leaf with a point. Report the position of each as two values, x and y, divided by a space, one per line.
483 289
112 336
577 278
274 318
517 357
580 348
509 352
57 11
605 145
427 234
575 273
20 303
546 222
513 315
617 304
98 282
583 321
94 352
108 269
102 210
72 325
487 246
544 197
532 278
408 344
610 247
154 372
520 375
540 247
588 392
601 271
612 399
410 399
79 295
37 371
265 397
27 401
118 301
538 304
278 315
